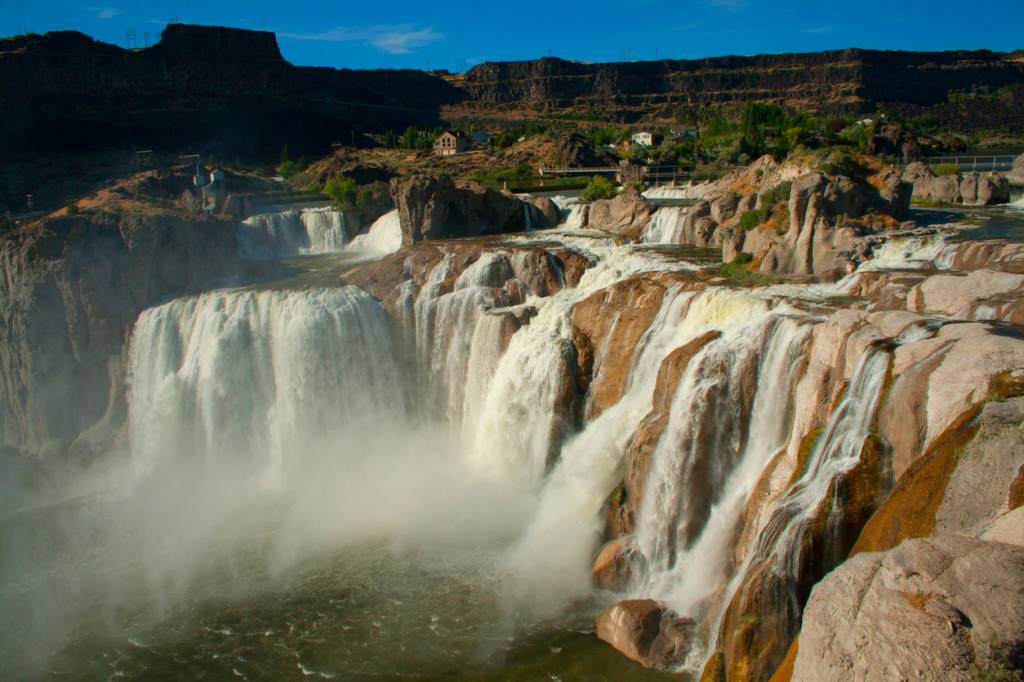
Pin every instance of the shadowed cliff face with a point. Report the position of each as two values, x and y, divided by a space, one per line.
73 286
838 81
218 89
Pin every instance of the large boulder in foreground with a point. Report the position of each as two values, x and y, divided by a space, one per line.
941 608
646 632
626 215
435 207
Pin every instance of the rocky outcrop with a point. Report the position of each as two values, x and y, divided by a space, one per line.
73 287
519 271
435 207
814 214
969 189
573 150
549 210
626 215
948 607
1016 174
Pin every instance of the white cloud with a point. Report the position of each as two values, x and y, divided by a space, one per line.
729 4
393 39
819 29
106 12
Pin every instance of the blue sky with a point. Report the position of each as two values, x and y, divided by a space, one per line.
400 33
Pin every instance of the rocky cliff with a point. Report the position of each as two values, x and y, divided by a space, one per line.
230 92
435 207
72 288
220 90
844 81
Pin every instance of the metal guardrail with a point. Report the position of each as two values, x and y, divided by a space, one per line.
657 173
972 162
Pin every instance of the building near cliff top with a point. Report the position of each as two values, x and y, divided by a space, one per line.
480 138
644 137
450 143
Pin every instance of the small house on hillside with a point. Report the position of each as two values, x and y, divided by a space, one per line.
450 143
644 137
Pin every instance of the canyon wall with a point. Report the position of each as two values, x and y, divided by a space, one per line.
842 81
220 90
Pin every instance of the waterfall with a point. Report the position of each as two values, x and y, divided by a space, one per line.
445 324
779 541
521 423
684 574
383 237
666 225
292 233
258 377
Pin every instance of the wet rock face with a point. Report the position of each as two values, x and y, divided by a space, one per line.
434 207
631 627
615 318
947 607
646 632
611 570
522 271
72 290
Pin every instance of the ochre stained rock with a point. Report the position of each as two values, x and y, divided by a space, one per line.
611 567
615 318
631 626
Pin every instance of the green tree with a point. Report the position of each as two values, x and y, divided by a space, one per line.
288 169
343 191
598 188
285 153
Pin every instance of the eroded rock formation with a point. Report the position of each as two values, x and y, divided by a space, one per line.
969 189
435 207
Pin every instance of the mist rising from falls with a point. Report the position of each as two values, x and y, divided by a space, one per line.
294 232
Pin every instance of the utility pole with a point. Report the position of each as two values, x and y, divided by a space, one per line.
129 39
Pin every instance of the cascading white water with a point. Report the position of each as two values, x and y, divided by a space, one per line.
665 226
383 237
686 575
256 376
519 425
291 233
837 450
707 437
911 252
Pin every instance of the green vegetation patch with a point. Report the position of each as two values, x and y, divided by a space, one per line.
598 188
